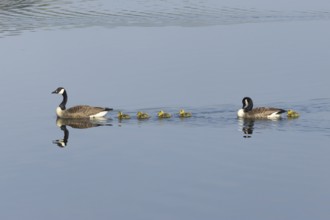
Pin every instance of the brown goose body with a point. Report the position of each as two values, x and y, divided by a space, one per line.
82 111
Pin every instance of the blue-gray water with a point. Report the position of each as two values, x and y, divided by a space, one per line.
203 56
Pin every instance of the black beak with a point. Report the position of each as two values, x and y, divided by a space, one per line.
54 92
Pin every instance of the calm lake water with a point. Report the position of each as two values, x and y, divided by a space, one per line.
203 56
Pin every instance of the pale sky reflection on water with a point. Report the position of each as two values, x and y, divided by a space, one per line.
199 168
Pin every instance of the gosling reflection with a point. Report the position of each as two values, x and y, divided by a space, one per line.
77 124
247 127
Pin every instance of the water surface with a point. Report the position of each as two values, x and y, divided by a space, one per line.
203 56
32 15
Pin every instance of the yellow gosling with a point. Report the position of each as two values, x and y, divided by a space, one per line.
142 115
292 114
162 114
183 114
123 116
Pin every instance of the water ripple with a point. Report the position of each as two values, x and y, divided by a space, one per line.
18 16
314 118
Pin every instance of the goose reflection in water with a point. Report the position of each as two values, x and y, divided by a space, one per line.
77 124
247 126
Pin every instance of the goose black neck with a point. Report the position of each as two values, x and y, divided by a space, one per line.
64 101
66 133
247 105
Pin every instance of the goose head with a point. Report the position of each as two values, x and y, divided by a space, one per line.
59 90
247 104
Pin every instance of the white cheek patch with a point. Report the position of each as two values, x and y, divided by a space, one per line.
246 103
61 143
61 91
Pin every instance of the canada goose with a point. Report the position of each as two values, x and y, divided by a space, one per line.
79 111
183 114
142 115
162 114
123 116
248 111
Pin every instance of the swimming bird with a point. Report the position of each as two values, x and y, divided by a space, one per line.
183 114
123 116
247 111
162 114
292 114
142 115
79 111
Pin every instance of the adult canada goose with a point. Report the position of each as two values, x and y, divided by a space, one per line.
79 111
249 112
